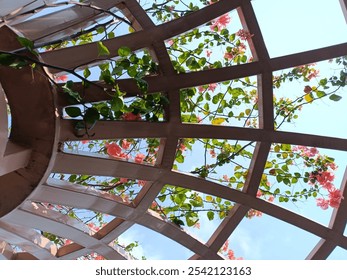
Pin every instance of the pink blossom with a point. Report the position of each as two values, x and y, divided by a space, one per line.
225 246
131 116
141 183
139 158
322 203
201 89
212 87
231 255
170 42
62 78
208 53
197 225
226 178
244 34
123 180
228 56
259 193
182 147
220 22
332 165
212 153
125 144
335 197
271 198
84 141
313 74
113 150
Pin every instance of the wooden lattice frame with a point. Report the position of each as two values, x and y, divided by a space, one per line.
25 171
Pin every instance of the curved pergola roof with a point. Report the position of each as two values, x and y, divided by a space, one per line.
33 150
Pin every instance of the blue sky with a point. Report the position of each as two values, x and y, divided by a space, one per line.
288 27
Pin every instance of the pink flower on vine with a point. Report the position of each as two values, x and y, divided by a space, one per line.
335 197
84 141
244 34
228 56
170 42
322 203
125 144
62 78
123 180
212 87
131 117
213 154
220 22
259 193
201 89
226 178
139 158
208 53
113 150
225 246
231 255
141 183
313 74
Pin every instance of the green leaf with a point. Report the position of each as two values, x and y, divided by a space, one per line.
91 115
142 85
218 121
180 159
102 49
124 51
117 103
86 72
335 97
132 71
210 215
25 42
73 112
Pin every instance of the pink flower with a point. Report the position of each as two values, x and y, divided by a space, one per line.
225 246
62 78
113 150
170 42
259 193
314 73
271 198
139 158
220 22
201 89
182 147
244 34
208 53
125 144
322 203
231 255
212 153
84 141
226 178
123 180
141 183
228 56
212 87
335 198
131 117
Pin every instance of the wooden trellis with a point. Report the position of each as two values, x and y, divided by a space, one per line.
32 152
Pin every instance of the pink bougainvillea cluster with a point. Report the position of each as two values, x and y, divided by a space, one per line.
323 177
